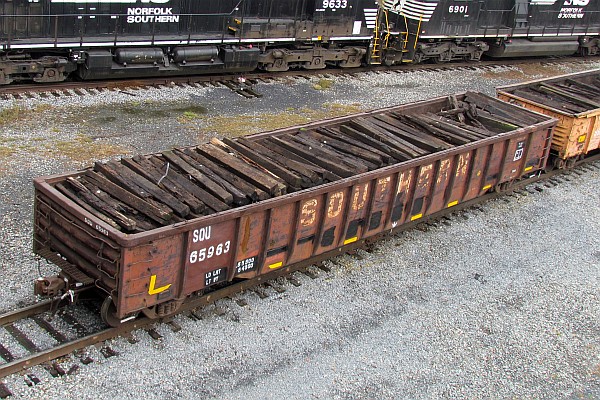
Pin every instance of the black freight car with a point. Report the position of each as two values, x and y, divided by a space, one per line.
149 239
465 29
46 40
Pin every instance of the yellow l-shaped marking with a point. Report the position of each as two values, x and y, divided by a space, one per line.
153 290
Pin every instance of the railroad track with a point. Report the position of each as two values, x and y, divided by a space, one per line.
243 84
59 322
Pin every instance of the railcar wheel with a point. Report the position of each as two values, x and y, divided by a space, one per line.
108 312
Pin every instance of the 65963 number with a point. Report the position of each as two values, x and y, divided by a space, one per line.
207 253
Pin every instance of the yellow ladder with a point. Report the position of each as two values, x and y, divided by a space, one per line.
377 46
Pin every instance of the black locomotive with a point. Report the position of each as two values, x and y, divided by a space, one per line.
49 40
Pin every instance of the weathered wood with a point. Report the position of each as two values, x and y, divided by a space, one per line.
347 156
357 135
160 214
313 156
335 134
127 176
496 124
141 224
308 176
323 172
589 104
202 195
350 162
372 130
454 103
234 165
415 136
398 136
446 136
227 149
114 176
161 179
239 197
288 176
457 128
61 188
253 192
501 108
590 89
202 179
550 100
345 147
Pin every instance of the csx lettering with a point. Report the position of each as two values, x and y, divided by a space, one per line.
336 202
202 234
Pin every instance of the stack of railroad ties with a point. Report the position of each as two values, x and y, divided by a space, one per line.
152 230
574 100
144 192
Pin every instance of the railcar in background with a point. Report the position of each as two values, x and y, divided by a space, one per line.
50 40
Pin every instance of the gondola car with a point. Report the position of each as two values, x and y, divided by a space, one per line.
50 40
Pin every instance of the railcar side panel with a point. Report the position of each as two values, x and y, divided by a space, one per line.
577 132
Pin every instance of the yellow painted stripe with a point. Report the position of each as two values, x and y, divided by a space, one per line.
528 168
452 204
351 240
415 217
276 265
487 187
581 138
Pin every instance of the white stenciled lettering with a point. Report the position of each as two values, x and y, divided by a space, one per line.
581 3
571 13
207 253
149 11
202 234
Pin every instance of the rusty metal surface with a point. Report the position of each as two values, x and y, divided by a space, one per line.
165 265
578 129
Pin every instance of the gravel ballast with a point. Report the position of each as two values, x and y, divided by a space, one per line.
499 303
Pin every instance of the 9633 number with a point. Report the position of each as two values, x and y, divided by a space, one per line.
333 4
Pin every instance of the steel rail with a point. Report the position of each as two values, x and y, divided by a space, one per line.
122 84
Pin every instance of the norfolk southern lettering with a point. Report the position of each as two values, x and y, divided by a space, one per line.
148 15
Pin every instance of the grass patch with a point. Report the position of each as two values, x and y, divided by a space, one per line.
82 148
12 114
6 151
19 113
247 124
323 84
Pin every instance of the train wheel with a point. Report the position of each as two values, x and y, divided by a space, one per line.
502 187
108 312
571 162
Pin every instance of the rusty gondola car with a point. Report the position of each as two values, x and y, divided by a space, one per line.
150 231
573 99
